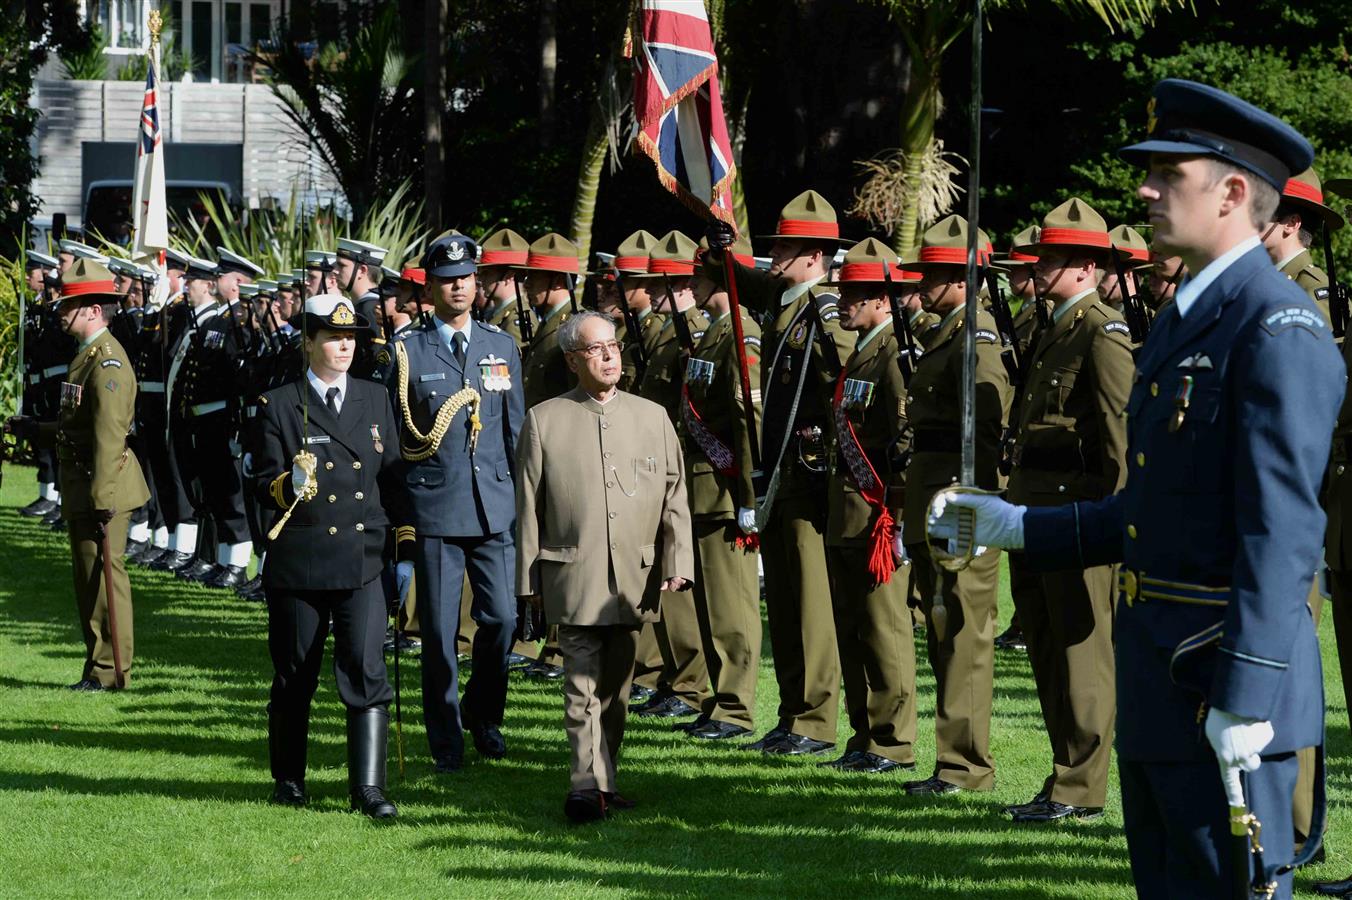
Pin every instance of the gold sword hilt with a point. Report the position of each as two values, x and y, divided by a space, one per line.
310 466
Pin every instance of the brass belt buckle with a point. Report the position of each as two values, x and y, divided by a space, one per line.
1131 587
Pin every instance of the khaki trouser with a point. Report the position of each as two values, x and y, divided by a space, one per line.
1302 802
597 666
91 596
802 628
684 671
648 659
727 600
1067 621
877 654
963 664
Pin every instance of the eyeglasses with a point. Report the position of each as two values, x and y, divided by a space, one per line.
591 351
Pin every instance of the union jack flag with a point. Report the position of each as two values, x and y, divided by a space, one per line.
150 114
149 212
679 108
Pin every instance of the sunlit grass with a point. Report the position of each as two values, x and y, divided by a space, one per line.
161 790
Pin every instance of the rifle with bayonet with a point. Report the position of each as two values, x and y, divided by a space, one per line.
678 319
523 320
907 354
1004 323
633 330
1338 299
1133 308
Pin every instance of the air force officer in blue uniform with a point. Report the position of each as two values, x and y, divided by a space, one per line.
459 474
1219 528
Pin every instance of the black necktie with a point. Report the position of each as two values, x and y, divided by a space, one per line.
331 400
458 345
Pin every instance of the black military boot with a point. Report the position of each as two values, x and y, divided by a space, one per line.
133 548
38 508
367 737
228 578
288 734
199 570
172 561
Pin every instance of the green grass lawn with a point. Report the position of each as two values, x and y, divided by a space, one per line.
162 790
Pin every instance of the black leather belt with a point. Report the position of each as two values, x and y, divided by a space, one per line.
937 440
1049 459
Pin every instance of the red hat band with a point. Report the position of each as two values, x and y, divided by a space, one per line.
806 229
956 256
503 257
671 266
417 276
1299 190
88 287
552 263
1017 257
1075 236
631 263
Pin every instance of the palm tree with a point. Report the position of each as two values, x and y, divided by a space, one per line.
356 105
929 28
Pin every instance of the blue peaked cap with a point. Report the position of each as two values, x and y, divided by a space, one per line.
1196 119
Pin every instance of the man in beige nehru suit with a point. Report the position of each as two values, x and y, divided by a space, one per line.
603 526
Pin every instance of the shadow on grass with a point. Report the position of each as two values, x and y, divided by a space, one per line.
711 819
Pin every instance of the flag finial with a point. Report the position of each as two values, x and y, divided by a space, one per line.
156 22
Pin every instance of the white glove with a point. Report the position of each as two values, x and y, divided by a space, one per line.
998 524
1237 740
899 547
299 478
746 520
403 577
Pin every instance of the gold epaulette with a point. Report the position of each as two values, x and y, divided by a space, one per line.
278 490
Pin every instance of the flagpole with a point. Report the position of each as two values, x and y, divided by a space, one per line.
967 474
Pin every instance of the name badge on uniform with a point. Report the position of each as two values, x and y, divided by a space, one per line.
70 395
214 340
856 394
318 439
495 374
699 372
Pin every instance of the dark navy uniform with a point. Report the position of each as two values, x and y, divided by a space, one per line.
325 561
1219 528
463 507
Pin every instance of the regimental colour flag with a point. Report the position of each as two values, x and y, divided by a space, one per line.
678 107
149 216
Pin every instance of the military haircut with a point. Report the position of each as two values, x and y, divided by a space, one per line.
1266 198
1286 211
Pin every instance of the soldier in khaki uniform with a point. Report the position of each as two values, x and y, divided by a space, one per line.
101 480
1018 265
1070 445
631 258
963 661
722 503
683 685
1135 252
1292 232
551 270
870 580
803 335
602 526
499 255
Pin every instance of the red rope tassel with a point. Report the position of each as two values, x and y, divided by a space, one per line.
881 565
748 542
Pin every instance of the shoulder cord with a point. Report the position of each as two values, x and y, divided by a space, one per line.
427 444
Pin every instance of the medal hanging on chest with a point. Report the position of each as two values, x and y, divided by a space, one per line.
699 372
375 439
856 394
1181 401
70 395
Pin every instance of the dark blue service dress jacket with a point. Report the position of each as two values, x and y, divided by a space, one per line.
1219 527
